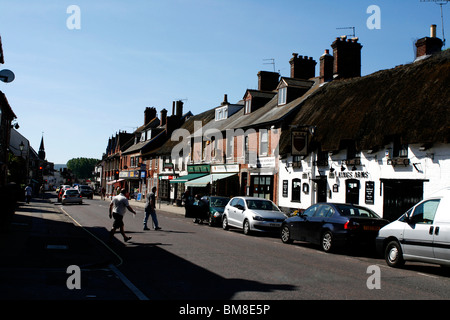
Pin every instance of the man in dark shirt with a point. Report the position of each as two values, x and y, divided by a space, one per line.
150 206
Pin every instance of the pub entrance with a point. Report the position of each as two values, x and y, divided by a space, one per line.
399 196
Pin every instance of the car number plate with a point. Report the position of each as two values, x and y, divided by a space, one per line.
372 228
274 224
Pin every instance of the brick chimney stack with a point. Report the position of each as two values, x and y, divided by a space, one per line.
347 57
302 67
149 114
429 45
268 81
326 67
163 119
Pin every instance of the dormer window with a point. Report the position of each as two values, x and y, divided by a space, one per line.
248 106
282 94
221 113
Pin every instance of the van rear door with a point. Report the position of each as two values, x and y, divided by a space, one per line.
442 230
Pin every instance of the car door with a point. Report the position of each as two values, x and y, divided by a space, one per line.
300 226
316 222
419 231
441 232
239 212
231 211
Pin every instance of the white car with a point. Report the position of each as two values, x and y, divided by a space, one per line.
421 234
71 196
252 214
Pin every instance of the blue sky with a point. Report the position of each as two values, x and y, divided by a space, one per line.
81 86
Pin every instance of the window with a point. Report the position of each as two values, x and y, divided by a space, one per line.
296 190
400 150
248 106
264 143
425 212
282 94
230 147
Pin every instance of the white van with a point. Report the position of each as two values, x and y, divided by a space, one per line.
421 234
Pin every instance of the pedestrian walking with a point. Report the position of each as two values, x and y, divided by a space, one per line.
28 191
117 208
103 193
150 209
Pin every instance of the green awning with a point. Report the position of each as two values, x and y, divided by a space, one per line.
203 181
188 177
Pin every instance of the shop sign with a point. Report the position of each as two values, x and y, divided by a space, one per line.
201 168
224 168
267 162
353 175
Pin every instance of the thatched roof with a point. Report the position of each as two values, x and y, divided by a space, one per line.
411 102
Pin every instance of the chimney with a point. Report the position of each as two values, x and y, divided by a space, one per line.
163 120
302 67
347 57
326 66
225 100
149 114
179 108
268 81
429 45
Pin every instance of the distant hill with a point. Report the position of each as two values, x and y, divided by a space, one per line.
58 166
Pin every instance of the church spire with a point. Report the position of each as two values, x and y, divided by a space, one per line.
42 149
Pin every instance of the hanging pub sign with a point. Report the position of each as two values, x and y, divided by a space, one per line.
299 143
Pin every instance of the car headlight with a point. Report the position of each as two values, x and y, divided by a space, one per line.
258 218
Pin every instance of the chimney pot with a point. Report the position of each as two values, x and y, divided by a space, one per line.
433 31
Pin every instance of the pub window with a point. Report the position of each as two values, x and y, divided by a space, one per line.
351 151
400 149
296 190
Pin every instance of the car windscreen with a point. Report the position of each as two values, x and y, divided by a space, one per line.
261 205
352 211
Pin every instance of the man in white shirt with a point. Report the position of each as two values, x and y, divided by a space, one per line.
117 210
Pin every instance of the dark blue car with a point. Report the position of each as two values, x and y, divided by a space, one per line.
332 225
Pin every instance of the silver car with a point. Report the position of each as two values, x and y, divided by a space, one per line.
71 196
252 214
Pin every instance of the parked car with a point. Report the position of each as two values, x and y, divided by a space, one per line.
252 214
71 196
216 206
86 191
333 225
421 234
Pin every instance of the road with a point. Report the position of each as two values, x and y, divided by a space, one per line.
191 261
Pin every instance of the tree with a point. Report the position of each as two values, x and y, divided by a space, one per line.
82 168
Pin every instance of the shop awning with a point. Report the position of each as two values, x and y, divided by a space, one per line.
203 181
188 177
114 181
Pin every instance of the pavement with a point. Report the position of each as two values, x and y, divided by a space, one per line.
42 243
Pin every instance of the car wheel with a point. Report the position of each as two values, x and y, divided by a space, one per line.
327 241
246 227
286 234
393 255
225 223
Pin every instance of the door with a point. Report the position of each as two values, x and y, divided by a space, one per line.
352 191
231 211
399 196
419 231
441 240
321 189
316 222
300 226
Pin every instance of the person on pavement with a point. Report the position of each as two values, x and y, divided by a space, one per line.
117 208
